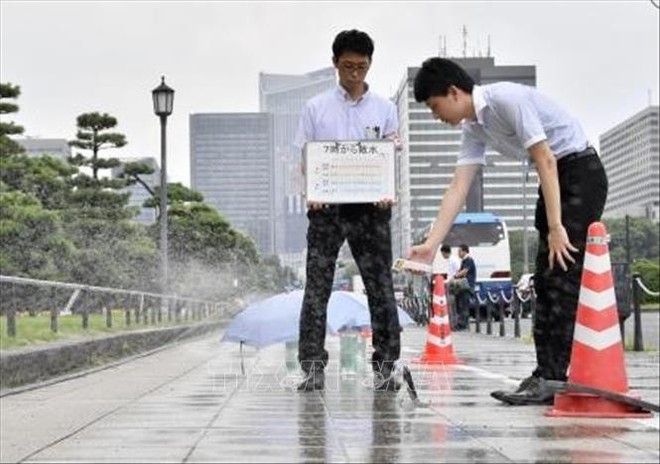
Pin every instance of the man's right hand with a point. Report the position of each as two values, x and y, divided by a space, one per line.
423 253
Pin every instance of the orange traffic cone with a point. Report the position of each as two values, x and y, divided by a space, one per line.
597 358
439 349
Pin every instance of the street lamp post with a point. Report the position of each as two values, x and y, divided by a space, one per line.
163 97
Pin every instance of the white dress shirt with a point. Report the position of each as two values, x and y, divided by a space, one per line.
333 115
511 117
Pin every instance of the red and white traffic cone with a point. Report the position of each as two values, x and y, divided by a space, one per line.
439 349
597 358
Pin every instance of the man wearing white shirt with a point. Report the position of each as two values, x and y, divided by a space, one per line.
453 266
519 122
350 111
453 263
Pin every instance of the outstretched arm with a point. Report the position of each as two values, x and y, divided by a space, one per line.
452 202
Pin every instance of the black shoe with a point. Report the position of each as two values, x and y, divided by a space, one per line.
524 385
528 382
385 381
536 393
314 380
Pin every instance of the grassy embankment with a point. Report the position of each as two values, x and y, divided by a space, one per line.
36 330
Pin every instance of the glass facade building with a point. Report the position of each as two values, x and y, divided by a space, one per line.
284 97
630 154
231 162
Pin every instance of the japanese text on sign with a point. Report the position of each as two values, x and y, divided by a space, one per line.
349 171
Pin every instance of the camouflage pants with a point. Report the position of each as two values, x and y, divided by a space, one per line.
367 229
583 185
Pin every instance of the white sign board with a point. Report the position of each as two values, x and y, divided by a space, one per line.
357 171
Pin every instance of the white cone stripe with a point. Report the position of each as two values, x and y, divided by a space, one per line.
441 300
597 340
597 300
439 320
598 264
437 341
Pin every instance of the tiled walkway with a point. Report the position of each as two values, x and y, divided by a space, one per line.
192 403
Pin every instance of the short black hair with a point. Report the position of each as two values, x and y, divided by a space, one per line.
445 249
464 247
436 76
352 41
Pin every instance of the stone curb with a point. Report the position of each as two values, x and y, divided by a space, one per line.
36 365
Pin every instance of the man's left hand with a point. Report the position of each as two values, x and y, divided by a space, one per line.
560 247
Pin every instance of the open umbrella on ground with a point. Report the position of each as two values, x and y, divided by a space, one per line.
276 319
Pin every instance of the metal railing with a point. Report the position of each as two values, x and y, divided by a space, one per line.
33 296
516 304
637 288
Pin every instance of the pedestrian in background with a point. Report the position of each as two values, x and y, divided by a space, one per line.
463 285
453 266
453 263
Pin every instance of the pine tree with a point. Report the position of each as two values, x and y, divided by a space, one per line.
93 135
8 146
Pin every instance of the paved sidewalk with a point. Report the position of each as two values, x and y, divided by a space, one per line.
191 403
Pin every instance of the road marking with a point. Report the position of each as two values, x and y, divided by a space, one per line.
489 375
651 422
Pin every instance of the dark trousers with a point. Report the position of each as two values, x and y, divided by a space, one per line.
583 186
462 309
367 229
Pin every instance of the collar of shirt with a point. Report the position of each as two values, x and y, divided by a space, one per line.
479 102
346 97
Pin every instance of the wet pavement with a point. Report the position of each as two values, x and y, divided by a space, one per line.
192 403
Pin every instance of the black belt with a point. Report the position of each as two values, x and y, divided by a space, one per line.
589 151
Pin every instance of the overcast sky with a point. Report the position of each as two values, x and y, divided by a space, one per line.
598 59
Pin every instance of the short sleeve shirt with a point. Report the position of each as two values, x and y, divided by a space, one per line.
453 266
333 115
512 117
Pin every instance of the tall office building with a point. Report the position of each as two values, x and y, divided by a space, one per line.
139 193
629 152
426 165
284 96
231 162
35 146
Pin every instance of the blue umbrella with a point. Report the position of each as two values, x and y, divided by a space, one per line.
350 310
277 318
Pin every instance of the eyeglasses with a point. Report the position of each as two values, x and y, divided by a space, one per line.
350 67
